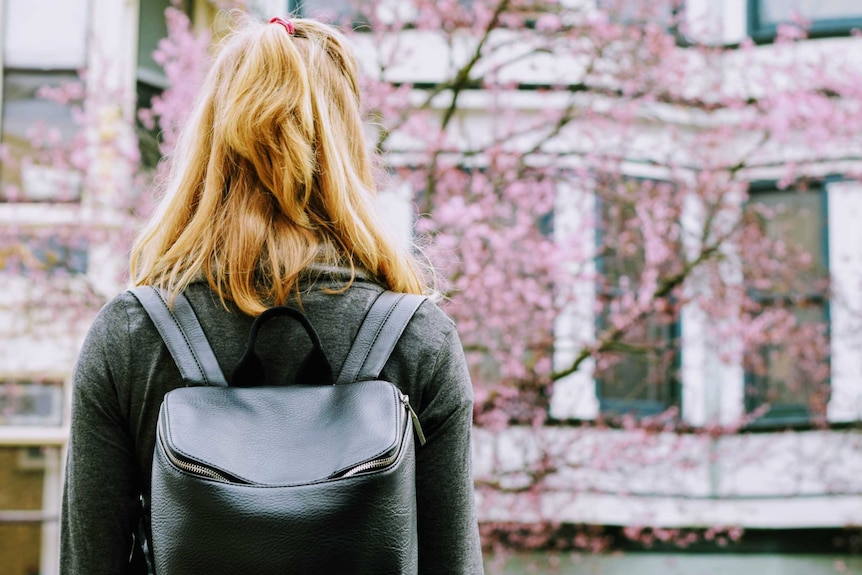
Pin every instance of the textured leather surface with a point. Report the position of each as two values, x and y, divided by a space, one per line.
282 435
182 334
359 525
383 325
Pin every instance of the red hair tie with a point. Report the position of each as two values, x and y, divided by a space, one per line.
286 23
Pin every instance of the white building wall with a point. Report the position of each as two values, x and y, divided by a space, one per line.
845 263
574 396
616 477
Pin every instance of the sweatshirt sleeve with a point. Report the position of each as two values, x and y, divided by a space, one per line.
100 494
448 529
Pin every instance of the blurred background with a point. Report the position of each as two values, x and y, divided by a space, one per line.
645 216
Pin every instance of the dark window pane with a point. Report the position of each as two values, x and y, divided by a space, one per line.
51 255
823 17
798 221
31 404
659 12
777 379
340 11
622 255
639 373
780 376
150 75
153 27
777 11
641 378
332 7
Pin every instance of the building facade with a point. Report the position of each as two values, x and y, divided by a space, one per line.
62 225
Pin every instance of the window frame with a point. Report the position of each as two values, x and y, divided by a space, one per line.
33 393
789 414
353 17
150 83
61 254
360 23
615 406
763 33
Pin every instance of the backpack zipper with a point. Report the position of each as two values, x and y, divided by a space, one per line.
389 460
415 418
369 465
197 469
194 467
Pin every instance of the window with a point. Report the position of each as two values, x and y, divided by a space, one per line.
22 508
28 403
826 17
331 10
44 46
53 254
338 7
639 375
662 12
356 12
791 385
151 79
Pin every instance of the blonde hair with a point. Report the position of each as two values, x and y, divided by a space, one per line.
271 174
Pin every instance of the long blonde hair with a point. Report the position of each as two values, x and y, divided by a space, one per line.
271 174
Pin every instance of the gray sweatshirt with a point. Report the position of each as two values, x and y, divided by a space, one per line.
124 370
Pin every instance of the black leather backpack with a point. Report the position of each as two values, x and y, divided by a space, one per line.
313 478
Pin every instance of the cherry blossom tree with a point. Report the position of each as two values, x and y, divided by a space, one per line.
623 195
593 164
645 119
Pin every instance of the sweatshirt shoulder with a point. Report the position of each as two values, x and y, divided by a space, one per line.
104 354
121 318
428 330
431 316
113 316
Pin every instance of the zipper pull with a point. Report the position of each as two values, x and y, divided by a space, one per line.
416 426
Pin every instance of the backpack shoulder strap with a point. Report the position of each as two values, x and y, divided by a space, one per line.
183 336
380 330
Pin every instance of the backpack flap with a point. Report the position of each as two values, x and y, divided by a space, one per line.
281 435
255 434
